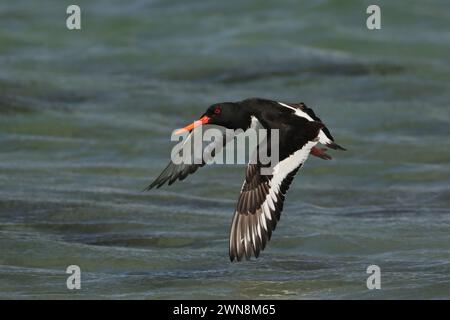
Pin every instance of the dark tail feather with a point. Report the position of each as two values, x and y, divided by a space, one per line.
335 146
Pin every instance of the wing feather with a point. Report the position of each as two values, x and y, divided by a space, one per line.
260 204
174 172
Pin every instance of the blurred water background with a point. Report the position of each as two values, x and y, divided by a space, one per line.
85 123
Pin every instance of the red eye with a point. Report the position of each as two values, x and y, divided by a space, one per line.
217 110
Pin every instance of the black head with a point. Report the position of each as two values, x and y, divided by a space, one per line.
227 114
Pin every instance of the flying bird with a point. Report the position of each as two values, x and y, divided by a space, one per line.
261 198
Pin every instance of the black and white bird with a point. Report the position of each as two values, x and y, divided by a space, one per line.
261 198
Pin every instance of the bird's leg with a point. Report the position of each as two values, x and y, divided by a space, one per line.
320 153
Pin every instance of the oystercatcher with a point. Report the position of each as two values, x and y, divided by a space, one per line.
261 198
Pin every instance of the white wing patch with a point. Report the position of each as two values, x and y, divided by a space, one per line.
283 168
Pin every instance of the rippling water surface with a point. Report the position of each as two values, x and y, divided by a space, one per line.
85 122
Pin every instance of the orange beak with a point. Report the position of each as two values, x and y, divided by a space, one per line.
199 122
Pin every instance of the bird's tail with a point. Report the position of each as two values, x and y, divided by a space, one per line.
335 146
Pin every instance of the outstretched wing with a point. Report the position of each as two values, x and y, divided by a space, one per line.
174 172
260 204
179 171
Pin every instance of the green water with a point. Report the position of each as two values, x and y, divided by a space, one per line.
85 123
